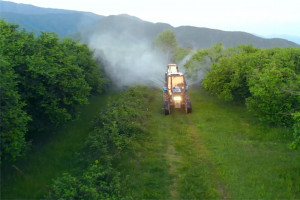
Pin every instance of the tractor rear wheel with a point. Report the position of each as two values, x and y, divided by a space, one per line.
166 108
188 107
167 112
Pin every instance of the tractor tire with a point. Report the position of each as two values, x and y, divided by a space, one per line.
166 108
188 107
167 112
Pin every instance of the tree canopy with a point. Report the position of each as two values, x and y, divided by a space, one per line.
266 80
166 42
43 79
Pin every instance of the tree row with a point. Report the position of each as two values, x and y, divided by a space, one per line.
42 80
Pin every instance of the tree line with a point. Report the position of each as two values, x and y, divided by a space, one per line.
42 80
267 81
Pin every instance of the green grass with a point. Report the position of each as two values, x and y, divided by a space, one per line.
30 177
252 160
144 170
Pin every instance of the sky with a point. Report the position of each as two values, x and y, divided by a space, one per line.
260 17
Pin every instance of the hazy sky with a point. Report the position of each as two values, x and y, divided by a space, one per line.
263 17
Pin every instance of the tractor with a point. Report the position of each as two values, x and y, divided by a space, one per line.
175 91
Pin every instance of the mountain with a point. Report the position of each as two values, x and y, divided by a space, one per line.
6 6
126 25
36 19
85 24
186 35
292 38
205 37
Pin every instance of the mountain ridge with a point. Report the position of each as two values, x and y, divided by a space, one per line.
187 36
82 24
31 9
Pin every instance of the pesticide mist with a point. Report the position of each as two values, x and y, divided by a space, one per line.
129 60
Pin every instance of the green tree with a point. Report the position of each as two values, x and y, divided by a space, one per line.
203 59
42 78
180 53
51 84
82 57
266 79
166 42
228 78
274 87
13 119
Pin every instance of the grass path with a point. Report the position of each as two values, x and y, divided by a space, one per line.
172 162
30 177
217 152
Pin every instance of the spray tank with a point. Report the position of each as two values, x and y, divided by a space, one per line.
175 91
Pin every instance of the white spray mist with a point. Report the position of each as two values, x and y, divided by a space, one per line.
130 60
199 68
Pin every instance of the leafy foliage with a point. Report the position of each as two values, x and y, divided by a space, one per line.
95 183
268 97
180 53
115 127
81 56
266 80
232 73
51 84
166 42
296 143
201 62
14 119
114 130
51 77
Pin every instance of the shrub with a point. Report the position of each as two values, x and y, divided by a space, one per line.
114 130
95 183
118 124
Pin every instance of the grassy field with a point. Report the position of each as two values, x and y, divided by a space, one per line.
219 151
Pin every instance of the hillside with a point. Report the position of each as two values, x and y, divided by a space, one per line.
186 35
205 38
36 19
67 22
27 9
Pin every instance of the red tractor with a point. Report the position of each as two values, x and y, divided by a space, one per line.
175 91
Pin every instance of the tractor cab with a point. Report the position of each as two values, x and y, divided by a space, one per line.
175 90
